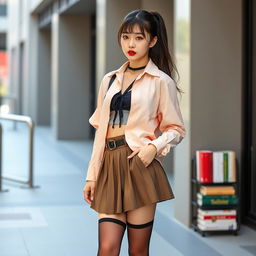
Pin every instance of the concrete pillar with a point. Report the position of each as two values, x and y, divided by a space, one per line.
70 76
110 14
212 102
44 78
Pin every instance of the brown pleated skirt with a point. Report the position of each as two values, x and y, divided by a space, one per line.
125 184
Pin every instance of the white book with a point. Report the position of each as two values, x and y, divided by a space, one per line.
216 212
232 226
232 166
221 166
218 167
215 222
216 175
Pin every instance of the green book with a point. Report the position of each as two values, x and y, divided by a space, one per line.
229 201
225 166
216 199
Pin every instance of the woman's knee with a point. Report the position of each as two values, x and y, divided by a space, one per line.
133 251
108 248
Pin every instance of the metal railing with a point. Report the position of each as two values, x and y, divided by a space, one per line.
12 101
30 123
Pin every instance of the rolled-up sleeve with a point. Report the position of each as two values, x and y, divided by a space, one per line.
171 123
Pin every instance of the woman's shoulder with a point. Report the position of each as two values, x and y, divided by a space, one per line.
165 80
105 79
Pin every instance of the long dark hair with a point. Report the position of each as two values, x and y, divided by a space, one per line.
154 24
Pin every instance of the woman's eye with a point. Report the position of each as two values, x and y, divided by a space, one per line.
139 38
124 37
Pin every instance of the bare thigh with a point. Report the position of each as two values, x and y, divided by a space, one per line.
119 216
141 215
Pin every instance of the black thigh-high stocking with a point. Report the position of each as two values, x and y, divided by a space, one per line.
139 238
110 235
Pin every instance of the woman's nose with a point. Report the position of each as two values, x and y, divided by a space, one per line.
131 43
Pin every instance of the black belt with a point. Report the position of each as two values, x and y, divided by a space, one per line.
112 144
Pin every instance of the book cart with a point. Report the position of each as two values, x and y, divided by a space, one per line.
195 187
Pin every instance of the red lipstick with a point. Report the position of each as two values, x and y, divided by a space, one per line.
131 53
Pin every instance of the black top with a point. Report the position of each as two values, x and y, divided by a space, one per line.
121 101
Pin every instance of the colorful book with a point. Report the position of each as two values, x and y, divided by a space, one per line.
218 167
217 190
232 166
204 200
214 218
225 166
215 166
204 166
217 212
213 222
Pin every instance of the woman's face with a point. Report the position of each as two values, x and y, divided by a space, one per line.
135 45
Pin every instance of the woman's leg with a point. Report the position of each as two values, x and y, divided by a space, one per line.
111 228
139 228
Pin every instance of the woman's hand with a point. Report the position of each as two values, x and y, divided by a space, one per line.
89 191
146 154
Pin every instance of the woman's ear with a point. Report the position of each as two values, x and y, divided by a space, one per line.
153 42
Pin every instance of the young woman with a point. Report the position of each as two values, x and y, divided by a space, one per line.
125 178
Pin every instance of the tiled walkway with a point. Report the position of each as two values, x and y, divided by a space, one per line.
54 220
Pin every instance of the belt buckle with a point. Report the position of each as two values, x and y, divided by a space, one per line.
109 145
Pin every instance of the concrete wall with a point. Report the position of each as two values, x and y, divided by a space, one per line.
165 8
216 83
70 76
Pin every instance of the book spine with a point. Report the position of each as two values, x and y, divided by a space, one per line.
201 196
197 165
217 202
216 177
220 190
225 169
205 166
214 222
233 163
221 171
217 212
232 226
216 217
230 166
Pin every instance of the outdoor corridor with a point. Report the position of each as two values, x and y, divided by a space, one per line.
54 220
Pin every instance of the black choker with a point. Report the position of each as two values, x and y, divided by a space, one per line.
139 68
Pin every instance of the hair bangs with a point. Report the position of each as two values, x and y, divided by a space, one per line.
129 24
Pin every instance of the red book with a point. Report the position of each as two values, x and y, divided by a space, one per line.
204 166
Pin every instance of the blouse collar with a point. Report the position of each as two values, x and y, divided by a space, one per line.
151 69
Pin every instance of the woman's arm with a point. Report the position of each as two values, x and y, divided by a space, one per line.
171 123
95 118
